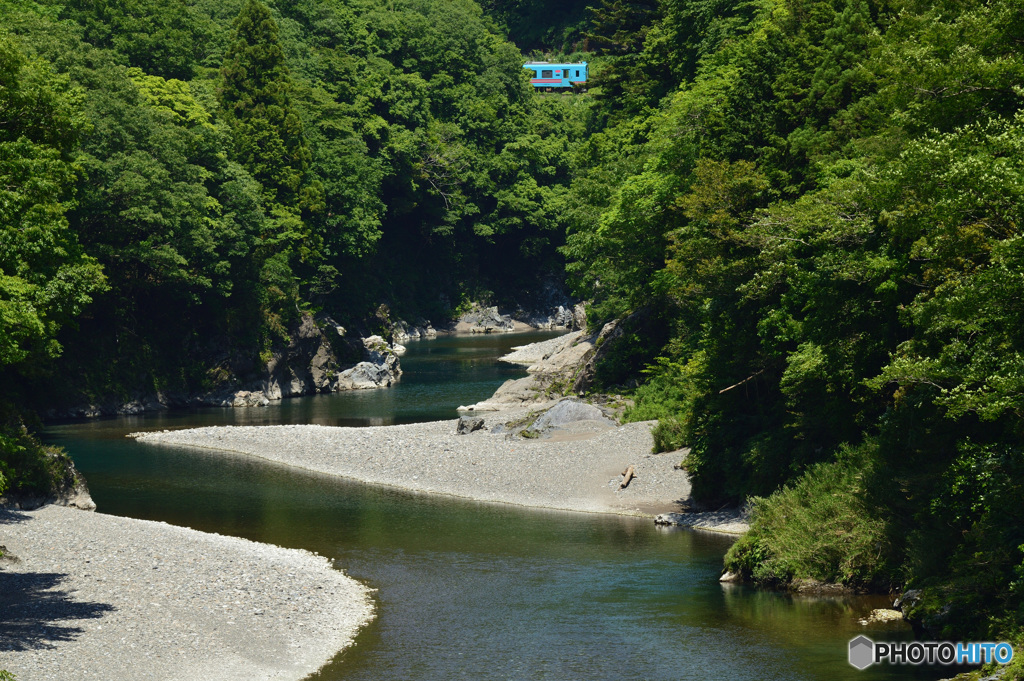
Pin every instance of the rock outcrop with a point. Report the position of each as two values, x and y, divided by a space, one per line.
557 367
729 520
552 318
69 489
319 358
307 365
567 316
403 331
380 369
603 344
485 320
552 365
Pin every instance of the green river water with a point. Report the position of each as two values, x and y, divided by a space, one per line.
471 590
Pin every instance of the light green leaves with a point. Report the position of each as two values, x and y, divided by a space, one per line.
45 279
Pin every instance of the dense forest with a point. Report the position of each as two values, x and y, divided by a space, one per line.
805 214
222 170
811 211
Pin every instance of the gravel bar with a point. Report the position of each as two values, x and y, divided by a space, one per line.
575 468
94 596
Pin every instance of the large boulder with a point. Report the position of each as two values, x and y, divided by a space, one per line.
484 320
468 424
569 410
365 376
380 368
402 331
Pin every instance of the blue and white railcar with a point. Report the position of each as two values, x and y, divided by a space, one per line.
546 74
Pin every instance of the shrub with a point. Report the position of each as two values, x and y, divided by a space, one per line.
669 434
668 396
818 528
26 465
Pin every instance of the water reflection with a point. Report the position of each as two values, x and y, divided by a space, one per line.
439 376
471 590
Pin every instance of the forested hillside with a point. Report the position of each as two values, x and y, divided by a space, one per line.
806 213
815 209
182 183
217 169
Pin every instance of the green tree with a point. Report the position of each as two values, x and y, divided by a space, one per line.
256 95
46 280
162 38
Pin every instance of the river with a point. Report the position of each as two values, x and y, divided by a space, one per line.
472 590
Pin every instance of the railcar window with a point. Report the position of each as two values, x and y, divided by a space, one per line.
577 73
546 73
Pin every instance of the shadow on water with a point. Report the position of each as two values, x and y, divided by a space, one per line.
438 376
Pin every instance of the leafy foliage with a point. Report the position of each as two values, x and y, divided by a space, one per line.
27 466
821 200
45 278
849 544
221 167
810 209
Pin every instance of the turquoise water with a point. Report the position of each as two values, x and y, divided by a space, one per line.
471 590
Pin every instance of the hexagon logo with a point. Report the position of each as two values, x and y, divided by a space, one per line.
862 652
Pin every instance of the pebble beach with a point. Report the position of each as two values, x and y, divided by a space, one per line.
577 467
94 596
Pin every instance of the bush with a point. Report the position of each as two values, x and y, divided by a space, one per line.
670 434
26 465
818 528
668 396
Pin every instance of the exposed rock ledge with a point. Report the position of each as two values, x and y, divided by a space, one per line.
730 521
555 367
311 363
490 320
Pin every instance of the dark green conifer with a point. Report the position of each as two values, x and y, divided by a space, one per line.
256 96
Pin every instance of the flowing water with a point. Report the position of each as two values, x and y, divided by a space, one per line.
472 590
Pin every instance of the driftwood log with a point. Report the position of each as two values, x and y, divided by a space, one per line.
627 475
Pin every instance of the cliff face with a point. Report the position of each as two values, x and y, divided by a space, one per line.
315 362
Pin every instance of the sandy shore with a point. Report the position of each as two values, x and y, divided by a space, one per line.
94 596
577 467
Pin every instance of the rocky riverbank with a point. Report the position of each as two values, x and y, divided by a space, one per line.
522 447
92 596
321 357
